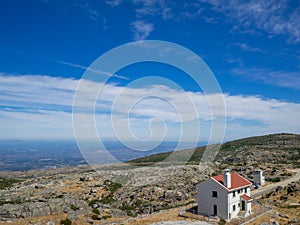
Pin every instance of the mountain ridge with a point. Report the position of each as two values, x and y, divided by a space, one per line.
283 141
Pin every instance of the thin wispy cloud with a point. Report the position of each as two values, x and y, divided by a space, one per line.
274 17
167 10
246 47
96 71
113 3
141 29
146 7
234 60
272 77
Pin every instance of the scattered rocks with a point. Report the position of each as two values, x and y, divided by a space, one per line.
33 209
294 204
284 216
114 192
294 221
50 223
292 188
86 178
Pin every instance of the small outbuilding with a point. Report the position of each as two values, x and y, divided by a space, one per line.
258 178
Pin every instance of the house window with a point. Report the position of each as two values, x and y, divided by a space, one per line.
215 194
239 205
233 194
245 190
239 191
233 207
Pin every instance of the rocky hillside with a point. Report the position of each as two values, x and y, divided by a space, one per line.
275 154
123 192
274 148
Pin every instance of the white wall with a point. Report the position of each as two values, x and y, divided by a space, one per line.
234 201
237 200
206 201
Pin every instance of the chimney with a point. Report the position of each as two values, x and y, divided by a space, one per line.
227 178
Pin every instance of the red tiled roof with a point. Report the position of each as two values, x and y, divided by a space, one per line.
237 181
246 197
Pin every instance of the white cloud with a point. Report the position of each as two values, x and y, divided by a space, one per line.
35 106
141 29
275 17
25 90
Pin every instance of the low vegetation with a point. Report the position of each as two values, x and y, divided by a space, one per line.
66 221
7 182
284 147
74 208
273 179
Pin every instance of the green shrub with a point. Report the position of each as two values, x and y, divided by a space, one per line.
127 207
138 203
94 201
274 179
66 222
106 217
107 200
74 208
95 217
222 222
96 211
10 202
112 186
293 206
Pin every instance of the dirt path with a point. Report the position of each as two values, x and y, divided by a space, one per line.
270 187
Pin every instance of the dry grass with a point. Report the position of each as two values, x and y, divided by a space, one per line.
167 215
44 219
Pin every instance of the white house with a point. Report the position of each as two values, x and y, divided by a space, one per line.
224 196
258 178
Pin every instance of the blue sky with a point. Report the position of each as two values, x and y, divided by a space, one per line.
252 47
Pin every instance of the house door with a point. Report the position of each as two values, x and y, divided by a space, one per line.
243 205
215 209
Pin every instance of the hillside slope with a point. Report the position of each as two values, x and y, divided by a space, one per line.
275 148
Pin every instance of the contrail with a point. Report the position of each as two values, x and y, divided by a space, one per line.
93 70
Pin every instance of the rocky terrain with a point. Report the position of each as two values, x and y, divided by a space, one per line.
103 194
119 193
286 204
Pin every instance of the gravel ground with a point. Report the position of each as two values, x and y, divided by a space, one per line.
181 222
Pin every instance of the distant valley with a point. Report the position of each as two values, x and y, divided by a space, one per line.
16 155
